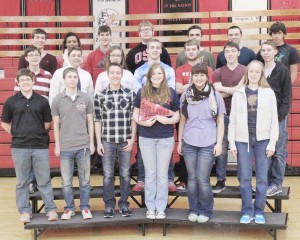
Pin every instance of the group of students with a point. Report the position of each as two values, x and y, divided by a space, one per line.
242 104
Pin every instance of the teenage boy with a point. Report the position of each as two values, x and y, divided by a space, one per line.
115 133
138 55
206 57
234 34
279 78
286 54
85 82
154 50
95 62
41 86
42 78
183 72
227 80
72 112
27 118
48 62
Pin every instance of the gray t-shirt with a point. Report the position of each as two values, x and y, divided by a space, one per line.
73 132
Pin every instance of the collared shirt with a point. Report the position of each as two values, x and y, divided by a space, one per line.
73 133
27 118
114 110
41 85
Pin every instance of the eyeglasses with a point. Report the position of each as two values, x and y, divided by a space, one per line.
115 55
33 55
145 30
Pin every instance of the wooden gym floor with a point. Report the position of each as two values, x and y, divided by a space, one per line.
11 229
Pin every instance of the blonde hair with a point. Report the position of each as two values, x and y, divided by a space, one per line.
145 24
163 94
262 81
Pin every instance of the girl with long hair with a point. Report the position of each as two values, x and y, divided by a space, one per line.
156 139
200 136
253 131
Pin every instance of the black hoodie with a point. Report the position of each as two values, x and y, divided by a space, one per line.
280 82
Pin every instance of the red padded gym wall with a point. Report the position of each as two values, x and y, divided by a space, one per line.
41 8
287 4
140 7
75 8
209 6
7 10
294 135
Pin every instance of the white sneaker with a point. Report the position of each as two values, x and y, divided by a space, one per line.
160 215
202 219
67 215
150 214
193 217
86 214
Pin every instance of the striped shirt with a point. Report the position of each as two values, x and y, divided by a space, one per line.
114 110
41 85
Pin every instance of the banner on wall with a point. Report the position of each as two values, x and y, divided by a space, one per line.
175 6
103 10
244 5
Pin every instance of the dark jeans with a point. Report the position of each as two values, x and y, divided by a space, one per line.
111 151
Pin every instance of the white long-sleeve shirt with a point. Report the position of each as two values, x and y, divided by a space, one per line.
102 81
57 84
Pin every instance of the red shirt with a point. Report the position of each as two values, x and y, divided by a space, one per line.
95 63
183 74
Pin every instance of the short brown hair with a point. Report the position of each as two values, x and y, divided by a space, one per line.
25 72
69 69
104 28
39 31
75 49
192 42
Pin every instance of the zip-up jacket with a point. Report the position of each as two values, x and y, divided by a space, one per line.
266 120
280 82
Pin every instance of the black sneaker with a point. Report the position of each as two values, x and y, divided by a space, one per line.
109 213
32 187
219 187
125 211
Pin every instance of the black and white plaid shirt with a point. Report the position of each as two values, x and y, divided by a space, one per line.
114 108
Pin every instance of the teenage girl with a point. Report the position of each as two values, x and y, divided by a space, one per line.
253 131
156 139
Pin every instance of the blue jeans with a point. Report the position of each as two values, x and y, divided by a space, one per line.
83 159
278 160
141 168
199 162
221 161
111 151
156 153
25 160
262 162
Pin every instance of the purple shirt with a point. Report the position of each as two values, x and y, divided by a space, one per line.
200 129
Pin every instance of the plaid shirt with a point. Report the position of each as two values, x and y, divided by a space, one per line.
114 110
